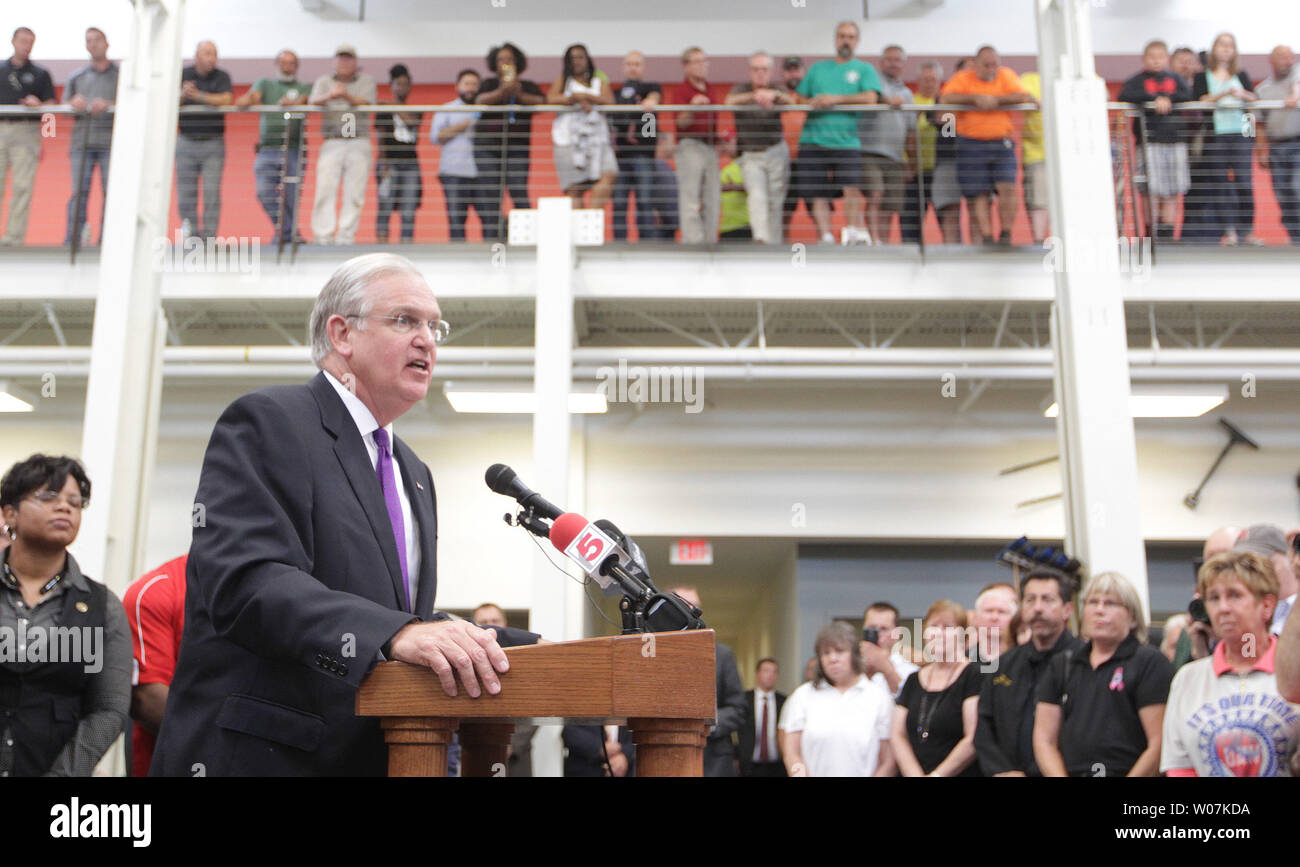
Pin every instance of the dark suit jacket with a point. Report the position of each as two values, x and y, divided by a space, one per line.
584 752
719 752
748 731
293 586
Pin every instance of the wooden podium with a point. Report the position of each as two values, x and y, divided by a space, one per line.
660 685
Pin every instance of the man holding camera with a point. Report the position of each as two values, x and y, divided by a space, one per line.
880 634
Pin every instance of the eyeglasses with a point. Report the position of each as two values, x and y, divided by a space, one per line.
46 497
403 324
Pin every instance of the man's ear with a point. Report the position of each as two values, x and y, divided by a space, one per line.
339 332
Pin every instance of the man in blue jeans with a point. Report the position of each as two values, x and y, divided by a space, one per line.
453 133
93 89
1279 149
274 161
635 135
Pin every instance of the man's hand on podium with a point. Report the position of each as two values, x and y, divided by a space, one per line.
452 647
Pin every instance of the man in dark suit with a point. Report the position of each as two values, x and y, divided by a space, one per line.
315 551
756 760
719 751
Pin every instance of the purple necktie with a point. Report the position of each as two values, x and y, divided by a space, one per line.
388 482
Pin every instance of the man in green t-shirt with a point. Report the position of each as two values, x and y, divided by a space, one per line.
274 161
829 155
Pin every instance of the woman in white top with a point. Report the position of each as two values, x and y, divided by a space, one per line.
837 724
584 157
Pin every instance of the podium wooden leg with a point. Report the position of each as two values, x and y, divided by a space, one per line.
417 746
484 748
669 747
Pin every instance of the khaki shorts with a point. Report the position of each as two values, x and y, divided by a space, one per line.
1035 186
883 175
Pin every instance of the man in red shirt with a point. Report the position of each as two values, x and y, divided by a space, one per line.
155 608
699 184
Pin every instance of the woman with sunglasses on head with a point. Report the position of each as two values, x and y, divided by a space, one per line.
1225 717
65 677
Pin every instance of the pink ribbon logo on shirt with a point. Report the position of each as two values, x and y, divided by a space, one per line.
1117 679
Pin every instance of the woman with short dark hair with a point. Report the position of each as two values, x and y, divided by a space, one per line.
66 689
837 724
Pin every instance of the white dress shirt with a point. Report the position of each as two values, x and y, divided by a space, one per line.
773 753
366 425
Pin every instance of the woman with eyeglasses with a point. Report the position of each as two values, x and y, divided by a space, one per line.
65 678
1101 710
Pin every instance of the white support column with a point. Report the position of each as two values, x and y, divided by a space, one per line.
553 373
1089 341
125 380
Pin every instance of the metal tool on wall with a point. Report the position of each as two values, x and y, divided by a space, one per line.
1234 436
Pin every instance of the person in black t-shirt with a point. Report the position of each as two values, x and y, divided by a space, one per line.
938 708
1101 710
201 142
502 139
635 135
1163 150
21 83
397 168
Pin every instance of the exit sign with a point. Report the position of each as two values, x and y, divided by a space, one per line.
691 552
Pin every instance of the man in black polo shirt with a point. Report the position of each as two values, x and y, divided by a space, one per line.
201 142
635 136
1101 710
21 83
1004 736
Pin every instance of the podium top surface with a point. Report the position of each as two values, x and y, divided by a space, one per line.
665 675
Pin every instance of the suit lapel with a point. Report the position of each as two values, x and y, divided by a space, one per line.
424 510
352 456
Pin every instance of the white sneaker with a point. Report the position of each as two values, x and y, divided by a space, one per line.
851 235
828 238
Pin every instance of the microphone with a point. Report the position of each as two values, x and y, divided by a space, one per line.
599 555
503 480
592 546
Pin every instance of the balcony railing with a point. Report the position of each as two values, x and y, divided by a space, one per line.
319 176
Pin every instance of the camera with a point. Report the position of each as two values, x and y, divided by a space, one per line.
872 635
1196 608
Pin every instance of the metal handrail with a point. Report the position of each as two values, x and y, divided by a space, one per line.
63 109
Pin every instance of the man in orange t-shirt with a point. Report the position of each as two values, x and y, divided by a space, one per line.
986 156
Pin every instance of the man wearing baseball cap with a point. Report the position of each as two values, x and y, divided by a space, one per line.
1268 540
345 154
